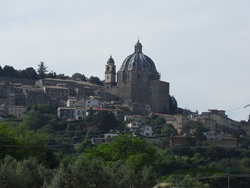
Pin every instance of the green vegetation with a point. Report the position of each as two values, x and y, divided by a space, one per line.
41 150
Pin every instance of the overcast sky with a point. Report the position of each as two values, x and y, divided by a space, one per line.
200 47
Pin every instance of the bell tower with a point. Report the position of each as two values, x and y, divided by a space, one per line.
110 74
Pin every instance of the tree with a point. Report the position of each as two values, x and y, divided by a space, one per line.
51 75
39 116
93 172
105 121
1 71
31 73
42 70
126 148
168 130
172 105
9 71
22 174
95 80
193 182
245 165
79 76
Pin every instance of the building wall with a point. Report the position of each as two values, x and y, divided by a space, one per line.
159 96
124 91
17 111
143 87
66 112
38 97
56 91
91 103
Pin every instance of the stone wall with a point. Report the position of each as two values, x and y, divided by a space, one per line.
159 96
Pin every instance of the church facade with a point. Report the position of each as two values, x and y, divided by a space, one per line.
137 81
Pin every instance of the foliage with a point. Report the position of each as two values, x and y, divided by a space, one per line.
79 76
36 142
173 105
22 174
42 70
159 125
196 129
245 164
105 121
168 130
9 71
95 80
193 182
28 73
21 143
39 116
1 71
94 173
126 148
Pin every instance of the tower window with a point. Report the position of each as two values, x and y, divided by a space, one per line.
107 77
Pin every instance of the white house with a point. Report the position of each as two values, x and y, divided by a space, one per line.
70 112
91 103
133 125
146 130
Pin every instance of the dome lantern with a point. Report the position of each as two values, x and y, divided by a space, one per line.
111 60
138 47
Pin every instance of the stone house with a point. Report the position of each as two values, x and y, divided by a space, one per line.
3 111
217 121
76 88
136 118
17 111
74 102
56 92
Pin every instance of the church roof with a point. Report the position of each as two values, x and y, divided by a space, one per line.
138 60
111 60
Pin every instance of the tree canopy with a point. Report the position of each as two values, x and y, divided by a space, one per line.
79 76
95 80
42 70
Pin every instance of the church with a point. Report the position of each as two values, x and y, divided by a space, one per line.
137 81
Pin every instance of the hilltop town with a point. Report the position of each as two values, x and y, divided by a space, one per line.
78 113
131 94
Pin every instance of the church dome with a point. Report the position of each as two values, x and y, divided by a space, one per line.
138 61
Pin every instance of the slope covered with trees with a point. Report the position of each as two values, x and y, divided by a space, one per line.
41 150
